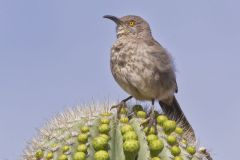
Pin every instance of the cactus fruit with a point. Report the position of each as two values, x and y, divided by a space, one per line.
94 133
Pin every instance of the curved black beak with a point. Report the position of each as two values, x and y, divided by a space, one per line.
113 18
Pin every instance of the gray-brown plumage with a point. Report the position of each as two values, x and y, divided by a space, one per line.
143 68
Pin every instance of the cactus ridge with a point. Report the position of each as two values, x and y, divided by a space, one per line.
94 133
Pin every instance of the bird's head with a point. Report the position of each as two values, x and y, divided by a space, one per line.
133 26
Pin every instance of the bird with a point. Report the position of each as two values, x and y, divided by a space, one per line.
145 69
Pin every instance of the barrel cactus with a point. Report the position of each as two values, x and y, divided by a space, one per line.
95 133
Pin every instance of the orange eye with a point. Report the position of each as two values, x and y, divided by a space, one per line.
132 23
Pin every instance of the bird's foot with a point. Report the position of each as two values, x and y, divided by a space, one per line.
150 123
119 107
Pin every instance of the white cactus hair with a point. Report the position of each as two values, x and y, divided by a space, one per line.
63 120
63 129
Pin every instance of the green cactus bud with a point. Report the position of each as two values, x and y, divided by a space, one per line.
141 114
49 155
84 129
107 114
151 137
151 131
131 146
63 157
101 155
126 128
178 158
156 146
104 128
172 140
65 148
82 148
104 120
54 145
175 150
123 110
39 154
103 137
184 142
124 119
179 130
137 108
79 156
191 150
100 143
130 135
83 138
169 126
161 119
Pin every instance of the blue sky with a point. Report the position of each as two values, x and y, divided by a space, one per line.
55 54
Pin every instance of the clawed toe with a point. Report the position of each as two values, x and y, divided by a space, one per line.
145 122
119 107
150 122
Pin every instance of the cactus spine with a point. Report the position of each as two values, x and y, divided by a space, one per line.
94 133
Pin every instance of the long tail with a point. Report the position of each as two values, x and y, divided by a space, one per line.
175 112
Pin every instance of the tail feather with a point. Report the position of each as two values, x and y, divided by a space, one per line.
174 111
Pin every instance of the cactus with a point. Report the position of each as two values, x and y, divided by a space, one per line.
95 133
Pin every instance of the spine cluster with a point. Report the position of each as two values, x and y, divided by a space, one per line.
95 133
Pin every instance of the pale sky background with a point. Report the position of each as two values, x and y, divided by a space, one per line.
55 54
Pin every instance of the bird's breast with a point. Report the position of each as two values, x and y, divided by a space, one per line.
123 54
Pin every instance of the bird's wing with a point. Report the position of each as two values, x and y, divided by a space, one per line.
161 59
160 56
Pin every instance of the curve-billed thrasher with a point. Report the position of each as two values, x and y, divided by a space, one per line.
143 68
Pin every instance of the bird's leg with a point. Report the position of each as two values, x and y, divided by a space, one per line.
151 120
121 105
